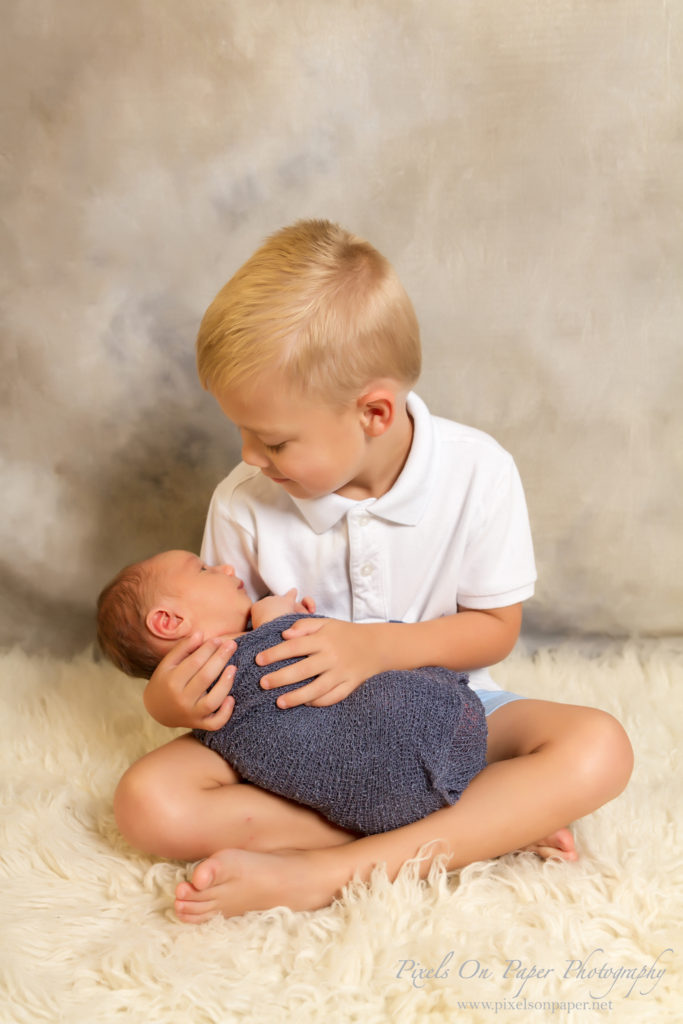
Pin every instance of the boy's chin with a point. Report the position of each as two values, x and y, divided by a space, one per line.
297 490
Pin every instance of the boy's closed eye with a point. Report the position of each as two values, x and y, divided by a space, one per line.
275 447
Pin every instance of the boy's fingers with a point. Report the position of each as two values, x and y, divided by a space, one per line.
182 650
205 698
306 668
321 692
304 627
192 654
206 666
295 645
289 648
332 696
211 698
217 719
304 695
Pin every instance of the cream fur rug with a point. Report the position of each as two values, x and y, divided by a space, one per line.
87 934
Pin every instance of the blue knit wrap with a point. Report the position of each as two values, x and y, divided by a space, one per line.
400 746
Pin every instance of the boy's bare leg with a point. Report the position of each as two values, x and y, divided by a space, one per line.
549 764
184 801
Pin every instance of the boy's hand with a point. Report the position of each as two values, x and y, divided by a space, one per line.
341 655
176 694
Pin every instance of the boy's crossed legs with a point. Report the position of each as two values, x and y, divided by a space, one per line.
184 801
549 764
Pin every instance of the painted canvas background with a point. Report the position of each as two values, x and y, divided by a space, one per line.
520 163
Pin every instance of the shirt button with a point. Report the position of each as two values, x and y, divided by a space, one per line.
363 520
367 569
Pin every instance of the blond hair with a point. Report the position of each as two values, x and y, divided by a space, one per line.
121 627
318 304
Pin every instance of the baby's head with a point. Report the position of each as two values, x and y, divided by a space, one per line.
320 306
151 605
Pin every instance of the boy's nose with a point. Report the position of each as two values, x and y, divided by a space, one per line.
252 452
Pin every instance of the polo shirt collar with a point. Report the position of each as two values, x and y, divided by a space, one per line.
407 500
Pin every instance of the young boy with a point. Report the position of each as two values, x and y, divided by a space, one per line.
312 349
396 749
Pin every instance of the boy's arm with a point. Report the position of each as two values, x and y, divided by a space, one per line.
342 655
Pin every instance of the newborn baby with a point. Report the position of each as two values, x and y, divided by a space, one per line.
400 746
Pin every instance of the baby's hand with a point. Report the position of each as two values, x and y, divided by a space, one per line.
272 607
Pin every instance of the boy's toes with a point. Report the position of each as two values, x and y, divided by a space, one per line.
194 913
558 846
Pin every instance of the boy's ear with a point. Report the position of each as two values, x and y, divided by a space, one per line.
165 624
378 409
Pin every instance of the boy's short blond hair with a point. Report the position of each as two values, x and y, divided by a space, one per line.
121 627
318 304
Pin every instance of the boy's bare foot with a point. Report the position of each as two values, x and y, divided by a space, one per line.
232 882
557 846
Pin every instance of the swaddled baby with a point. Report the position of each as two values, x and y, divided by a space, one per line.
397 748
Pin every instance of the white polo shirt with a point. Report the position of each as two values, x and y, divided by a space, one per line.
453 529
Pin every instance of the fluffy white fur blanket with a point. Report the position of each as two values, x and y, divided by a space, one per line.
87 932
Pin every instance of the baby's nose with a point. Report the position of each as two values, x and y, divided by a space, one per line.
227 570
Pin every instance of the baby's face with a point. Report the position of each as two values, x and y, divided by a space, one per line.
210 598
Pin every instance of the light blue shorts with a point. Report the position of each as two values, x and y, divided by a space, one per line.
494 699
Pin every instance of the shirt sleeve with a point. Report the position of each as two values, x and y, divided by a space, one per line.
498 567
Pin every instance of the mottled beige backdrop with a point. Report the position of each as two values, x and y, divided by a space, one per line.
520 163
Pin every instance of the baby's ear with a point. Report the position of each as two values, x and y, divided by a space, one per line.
165 624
